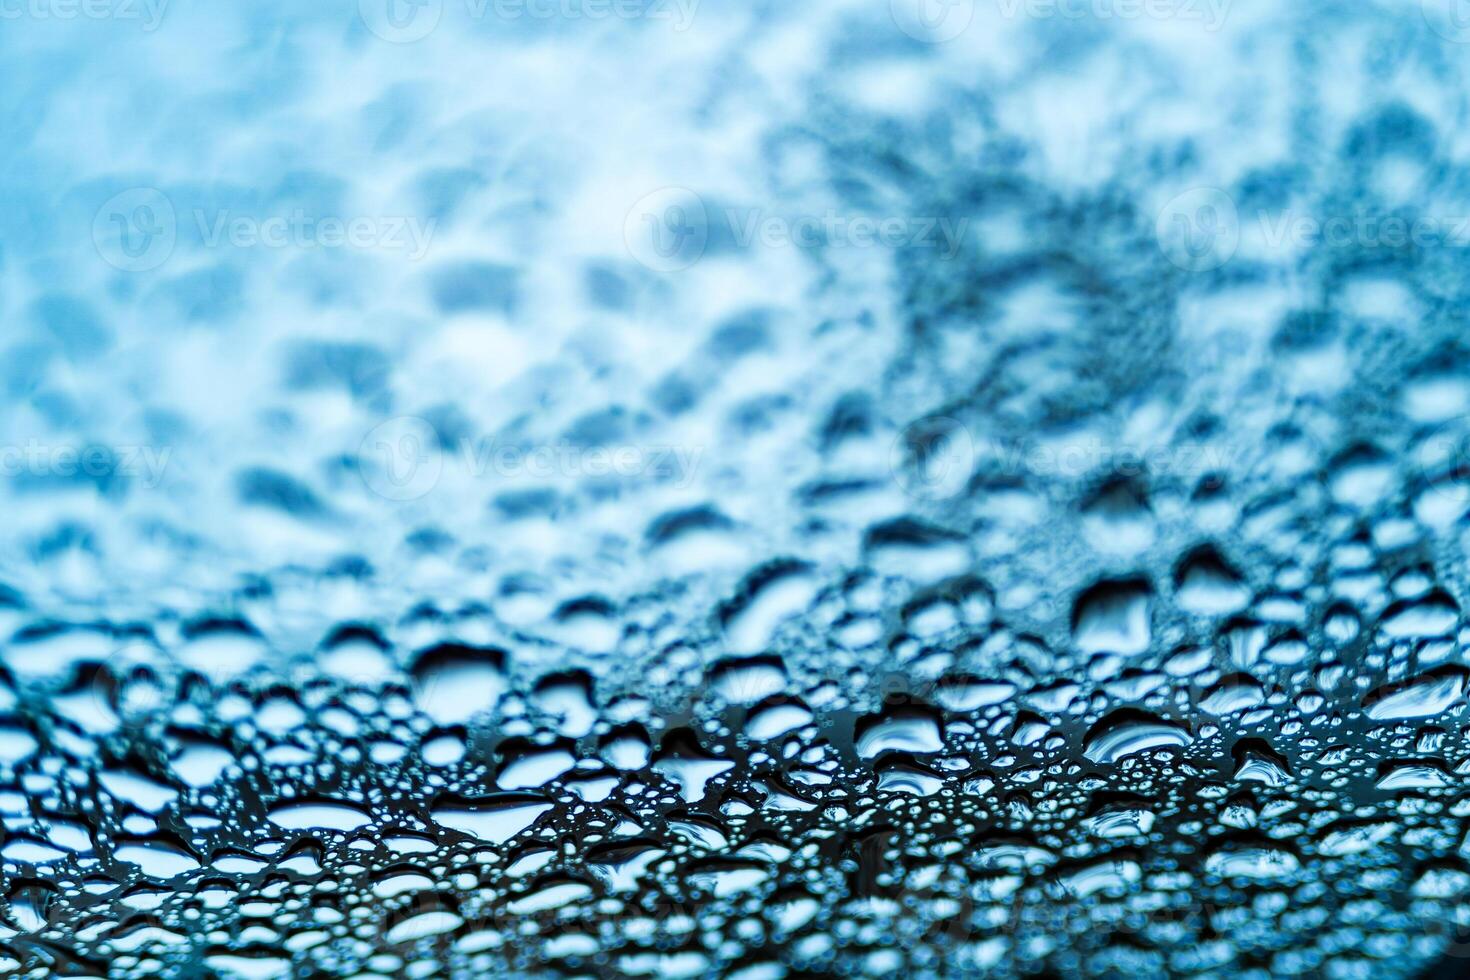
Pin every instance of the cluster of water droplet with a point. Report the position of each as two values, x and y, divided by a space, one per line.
1165 776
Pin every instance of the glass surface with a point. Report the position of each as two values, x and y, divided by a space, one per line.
684 488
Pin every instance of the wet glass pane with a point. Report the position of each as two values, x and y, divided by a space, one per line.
682 488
